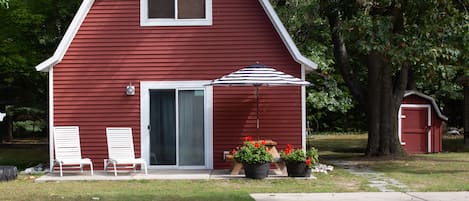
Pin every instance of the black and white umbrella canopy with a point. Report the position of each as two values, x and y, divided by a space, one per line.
258 75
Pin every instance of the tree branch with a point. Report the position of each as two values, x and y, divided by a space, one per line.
400 84
342 60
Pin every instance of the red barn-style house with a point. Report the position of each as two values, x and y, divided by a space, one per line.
420 124
168 51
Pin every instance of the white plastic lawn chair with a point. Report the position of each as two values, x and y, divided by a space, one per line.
120 148
67 149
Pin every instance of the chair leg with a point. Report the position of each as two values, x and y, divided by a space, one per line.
60 167
105 165
145 165
81 168
91 168
115 169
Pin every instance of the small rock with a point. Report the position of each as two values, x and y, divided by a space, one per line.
40 168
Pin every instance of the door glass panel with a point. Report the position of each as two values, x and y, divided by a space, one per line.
163 127
191 128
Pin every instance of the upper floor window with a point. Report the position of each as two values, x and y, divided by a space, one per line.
175 12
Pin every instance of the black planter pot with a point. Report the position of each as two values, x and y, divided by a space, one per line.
256 171
8 173
298 169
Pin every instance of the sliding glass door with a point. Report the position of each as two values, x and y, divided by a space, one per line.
177 127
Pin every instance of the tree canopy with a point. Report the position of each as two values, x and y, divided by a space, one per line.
29 33
380 48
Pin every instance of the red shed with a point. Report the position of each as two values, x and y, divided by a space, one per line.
420 124
168 52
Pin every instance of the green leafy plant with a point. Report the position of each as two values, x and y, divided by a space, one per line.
291 155
253 152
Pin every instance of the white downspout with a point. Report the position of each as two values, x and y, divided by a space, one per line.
51 119
303 109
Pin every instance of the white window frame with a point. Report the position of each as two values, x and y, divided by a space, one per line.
145 87
146 21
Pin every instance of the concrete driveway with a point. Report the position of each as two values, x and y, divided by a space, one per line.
367 196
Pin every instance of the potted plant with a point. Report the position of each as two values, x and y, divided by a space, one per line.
298 162
255 158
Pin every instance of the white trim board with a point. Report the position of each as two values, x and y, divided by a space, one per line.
287 40
51 120
429 122
68 37
145 87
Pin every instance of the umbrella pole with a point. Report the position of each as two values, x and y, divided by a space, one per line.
257 112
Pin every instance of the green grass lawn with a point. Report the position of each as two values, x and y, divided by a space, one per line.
425 172
24 156
233 189
24 187
446 171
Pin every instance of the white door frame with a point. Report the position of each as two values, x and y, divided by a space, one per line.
429 120
145 87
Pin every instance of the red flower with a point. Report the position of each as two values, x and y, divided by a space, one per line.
308 161
263 142
288 149
257 145
233 151
247 138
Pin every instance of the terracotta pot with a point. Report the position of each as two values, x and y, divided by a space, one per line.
256 171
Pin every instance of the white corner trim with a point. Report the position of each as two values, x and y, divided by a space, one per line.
68 37
51 120
303 110
287 40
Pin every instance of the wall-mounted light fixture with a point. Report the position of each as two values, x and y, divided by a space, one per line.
130 89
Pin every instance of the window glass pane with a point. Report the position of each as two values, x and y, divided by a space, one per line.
191 9
161 8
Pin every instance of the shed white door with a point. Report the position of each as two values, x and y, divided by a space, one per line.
415 129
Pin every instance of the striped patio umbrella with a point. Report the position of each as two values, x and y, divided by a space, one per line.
258 75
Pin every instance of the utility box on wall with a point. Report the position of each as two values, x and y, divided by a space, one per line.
420 124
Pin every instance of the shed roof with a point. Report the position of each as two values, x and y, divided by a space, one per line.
432 100
87 4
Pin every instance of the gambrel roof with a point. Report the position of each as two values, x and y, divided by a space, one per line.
87 4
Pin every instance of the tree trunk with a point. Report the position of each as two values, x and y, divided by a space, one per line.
466 115
381 99
383 106
411 83
374 99
9 126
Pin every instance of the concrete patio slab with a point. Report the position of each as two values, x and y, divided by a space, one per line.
152 175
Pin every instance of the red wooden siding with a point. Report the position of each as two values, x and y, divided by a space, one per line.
111 49
235 117
437 133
